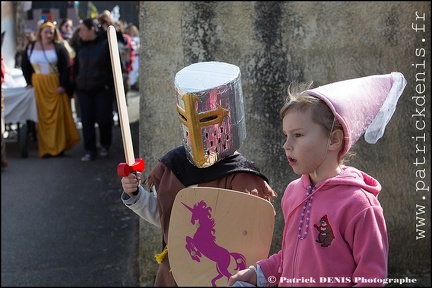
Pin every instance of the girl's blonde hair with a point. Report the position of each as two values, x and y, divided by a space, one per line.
57 38
299 100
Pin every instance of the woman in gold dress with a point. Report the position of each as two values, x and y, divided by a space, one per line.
46 68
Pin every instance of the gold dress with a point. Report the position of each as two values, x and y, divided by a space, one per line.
56 129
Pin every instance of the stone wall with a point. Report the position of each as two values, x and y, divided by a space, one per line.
275 43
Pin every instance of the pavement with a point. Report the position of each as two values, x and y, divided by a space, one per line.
62 220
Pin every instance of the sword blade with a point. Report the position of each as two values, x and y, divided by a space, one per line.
120 95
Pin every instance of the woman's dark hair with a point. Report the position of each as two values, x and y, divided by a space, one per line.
63 21
92 23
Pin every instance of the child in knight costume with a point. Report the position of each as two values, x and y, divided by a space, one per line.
212 123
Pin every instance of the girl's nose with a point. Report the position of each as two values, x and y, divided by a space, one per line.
286 145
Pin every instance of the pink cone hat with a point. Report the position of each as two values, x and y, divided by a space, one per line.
363 105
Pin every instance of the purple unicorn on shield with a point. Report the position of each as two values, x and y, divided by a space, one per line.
204 243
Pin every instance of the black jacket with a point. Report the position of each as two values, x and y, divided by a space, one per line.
92 68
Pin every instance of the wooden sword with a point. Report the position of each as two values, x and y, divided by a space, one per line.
132 164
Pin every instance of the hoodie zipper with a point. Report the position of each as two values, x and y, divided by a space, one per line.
310 192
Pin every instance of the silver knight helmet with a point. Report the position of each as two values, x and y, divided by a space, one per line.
211 111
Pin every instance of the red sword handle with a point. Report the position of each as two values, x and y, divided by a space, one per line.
123 169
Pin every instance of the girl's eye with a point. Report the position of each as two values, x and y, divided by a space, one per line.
297 135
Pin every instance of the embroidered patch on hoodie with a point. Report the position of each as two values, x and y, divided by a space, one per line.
325 232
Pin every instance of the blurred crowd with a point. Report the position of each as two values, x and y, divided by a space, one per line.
72 60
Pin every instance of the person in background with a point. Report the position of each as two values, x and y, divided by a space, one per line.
75 39
4 162
66 31
133 32
74 43
46 68
127 54
94 86
29 37
334 223
66 28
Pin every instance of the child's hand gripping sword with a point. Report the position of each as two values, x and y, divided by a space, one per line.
132 164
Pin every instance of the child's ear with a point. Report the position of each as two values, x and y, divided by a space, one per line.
336 140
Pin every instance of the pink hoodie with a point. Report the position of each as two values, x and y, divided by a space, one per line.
346 243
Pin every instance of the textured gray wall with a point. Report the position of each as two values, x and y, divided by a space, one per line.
275 43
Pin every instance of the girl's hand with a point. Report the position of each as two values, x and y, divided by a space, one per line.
246 275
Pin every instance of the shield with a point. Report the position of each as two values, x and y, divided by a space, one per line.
216 232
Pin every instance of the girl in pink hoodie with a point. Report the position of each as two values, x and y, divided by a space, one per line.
335 232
